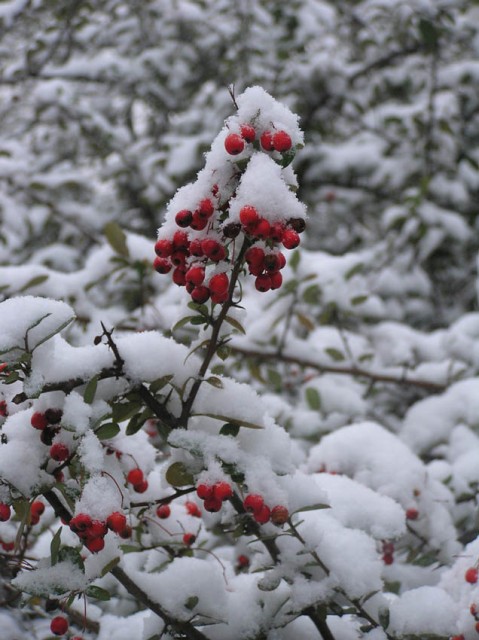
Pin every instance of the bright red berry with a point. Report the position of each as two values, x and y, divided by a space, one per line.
247 132
263 515
213 249
276 231
135 476
180 240
248 216
98 529
195 248
461 637
253 502
219 298
412 514
290 239
261 229
204 491
163 511
279 515
234 144
38 420
189 539
80 522
59 625
193 509
471 575
8 546
206 208
183 218
116 521
161 265
199 222
222 490
212 504
141 487
37 508
59 452
266 141
243 562
163 248
5 512
95 545
219 283
195 275
281 141
263 283
255 256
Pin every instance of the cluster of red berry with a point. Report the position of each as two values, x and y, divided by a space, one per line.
48 423
254 504
92 532
201 257
137 479
214 495
37 508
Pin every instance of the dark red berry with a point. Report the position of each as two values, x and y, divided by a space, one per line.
298 224
255 256
5 512
59 452
263 283
37 508
200 294
163 511
198 222
213 249
276 231
53 416
412 514
59 625
161 265
179 277
81 522
279 515
281 141
231 230
189 539
180 240
471 575
195 248
3 409
253 502
135 476
263 515
219 283
163 248
192 509
388 558
234 144
178 258
206 208
276 280
195 275
212 504
141 487
183 218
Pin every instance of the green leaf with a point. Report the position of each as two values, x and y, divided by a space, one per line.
90 390
34 282
136 423
223 352
312 294
107 431
294 260
191 602
359 299
157 385
229 429
55 546
275 378
116 238
178 475
200 308
240 423
183 322
287 157
109 566
215 382
313 398
307 323
358 268
98 593
313 507
429 33
384 618
234 323
73 555
197 320
335 354
269 583
125 410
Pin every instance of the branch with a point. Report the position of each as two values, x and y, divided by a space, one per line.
435 387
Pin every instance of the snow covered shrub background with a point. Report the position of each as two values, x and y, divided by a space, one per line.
244 463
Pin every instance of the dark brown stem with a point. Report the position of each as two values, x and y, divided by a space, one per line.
434 387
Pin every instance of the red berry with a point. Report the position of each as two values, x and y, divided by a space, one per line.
3 409
34 519
179 277
198 222
161 265
53 416
5 512
38 420
281 141
234 144
200 294
213 249
388 547
219 298
204 491
279 515
267 141
95 545
243 562
248 216
476 627
222 491
231 230
206 208
195 275
80 522
261 229
247 132
163 248
412 514
178 258
276 280
141 487
291 239
8 546
276 231
271 262
388 558
263 515
180 240
219 283
263 283
183 218
189 539
473 609
253 502
98 529
163 511
135 476
193 509
281 260
59 452
212 504
126 532
461 637
59 625
195 248
116 521
255 256
37 508
471 575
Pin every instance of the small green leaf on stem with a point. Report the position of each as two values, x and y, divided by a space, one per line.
313 398
98 593
90 390
116 238
178 475
55 546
